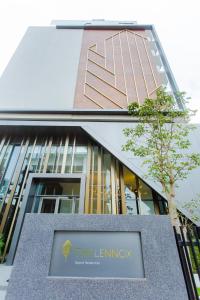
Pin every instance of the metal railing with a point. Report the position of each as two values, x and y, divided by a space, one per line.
188 243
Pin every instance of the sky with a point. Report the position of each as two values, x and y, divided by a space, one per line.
176 22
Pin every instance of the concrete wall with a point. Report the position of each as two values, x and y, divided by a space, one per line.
42 73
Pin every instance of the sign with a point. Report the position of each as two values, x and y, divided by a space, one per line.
97 254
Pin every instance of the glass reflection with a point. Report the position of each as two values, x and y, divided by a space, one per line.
130 187
105 175
106 183
8 166
48 205
147 202
54 196
80 159
65 206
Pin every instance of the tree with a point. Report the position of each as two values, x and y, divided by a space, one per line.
161 137
192 206
1 244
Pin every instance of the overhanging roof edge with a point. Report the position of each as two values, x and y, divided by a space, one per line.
105 26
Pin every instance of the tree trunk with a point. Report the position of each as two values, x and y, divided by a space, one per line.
172 207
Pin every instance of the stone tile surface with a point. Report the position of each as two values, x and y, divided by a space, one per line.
163 275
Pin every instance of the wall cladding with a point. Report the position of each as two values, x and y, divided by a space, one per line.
115 69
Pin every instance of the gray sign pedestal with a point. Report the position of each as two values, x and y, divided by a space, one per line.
32 277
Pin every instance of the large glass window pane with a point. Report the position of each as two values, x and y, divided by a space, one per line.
76 201
52 158
23 170
48 205
41 157
80 159
147 203
93 180
147 208
69 159
6 153
36 158
49 188
66 193
95 158
60 159
130 192
65 206
106 183
70 188
9 165
162 203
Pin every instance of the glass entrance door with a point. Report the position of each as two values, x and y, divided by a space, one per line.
57 196
47 205
67 205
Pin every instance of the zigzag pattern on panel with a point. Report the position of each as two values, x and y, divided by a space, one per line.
121 71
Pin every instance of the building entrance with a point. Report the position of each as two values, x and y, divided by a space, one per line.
56 196
52 194
68 205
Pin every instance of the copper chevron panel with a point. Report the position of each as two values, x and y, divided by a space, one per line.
115 69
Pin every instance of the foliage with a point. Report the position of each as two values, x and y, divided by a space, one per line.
161 138
196 250
1 243
191 207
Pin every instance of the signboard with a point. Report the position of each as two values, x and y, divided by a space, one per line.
97 254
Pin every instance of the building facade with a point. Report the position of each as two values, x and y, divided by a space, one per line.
63 107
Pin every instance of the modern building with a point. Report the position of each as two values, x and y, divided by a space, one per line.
63 106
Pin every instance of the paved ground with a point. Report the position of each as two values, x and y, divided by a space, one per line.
5 272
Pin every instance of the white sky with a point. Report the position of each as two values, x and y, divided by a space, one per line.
177 23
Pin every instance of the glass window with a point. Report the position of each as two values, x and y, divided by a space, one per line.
60 159
80 159
147 202
106 183
36 157
76 201
130 192
65 193
6 153
93 180
52 158
162 204
147 207
40 157
69 159
48 205
9 165
95 158
65 206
